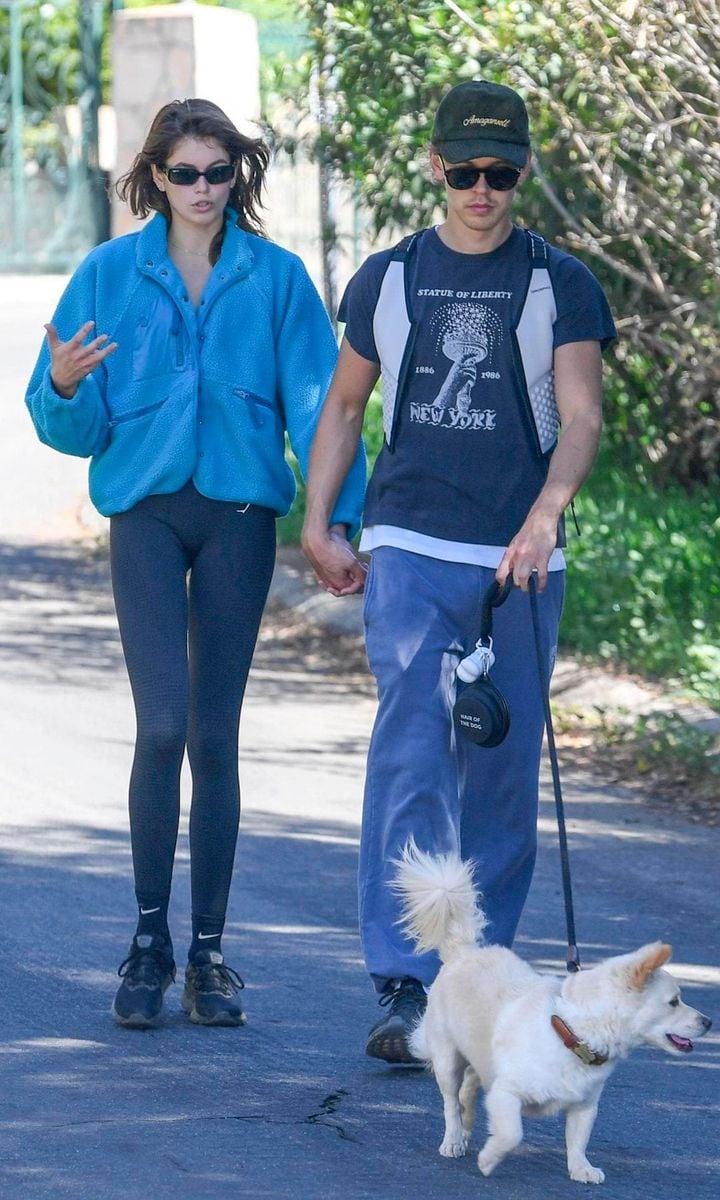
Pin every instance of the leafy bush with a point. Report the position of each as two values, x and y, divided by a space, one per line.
671 758
623 101
643 584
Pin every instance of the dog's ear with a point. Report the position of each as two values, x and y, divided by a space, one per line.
646 961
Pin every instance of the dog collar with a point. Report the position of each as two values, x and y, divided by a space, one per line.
590 1057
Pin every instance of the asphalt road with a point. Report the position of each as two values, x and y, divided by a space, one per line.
287 1106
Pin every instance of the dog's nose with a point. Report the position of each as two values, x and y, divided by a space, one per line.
707 1024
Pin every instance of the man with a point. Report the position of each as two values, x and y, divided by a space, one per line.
487 340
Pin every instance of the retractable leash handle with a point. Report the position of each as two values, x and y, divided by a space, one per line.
482 658
573 955
494 596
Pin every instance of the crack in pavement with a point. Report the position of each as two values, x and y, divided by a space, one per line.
328 1107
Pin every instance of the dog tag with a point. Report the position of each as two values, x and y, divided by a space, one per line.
585 1054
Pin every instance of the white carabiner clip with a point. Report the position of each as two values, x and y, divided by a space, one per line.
476 664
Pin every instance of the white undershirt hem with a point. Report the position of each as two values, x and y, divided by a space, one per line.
432 547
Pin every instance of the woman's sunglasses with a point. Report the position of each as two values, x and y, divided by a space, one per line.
186 176
498 177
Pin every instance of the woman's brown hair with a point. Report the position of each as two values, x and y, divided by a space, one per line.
203 120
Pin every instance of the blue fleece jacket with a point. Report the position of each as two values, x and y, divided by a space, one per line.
205 394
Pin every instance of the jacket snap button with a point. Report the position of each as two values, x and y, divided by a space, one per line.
149 263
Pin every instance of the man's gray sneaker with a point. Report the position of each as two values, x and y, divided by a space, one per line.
146 974
389 1038
210 991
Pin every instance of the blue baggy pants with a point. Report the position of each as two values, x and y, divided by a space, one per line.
421 617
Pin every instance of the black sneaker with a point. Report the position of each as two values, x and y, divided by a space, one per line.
146 974
389 1039
210 987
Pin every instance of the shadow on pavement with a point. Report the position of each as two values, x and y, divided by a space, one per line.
289 1106
58 619
290 1097
58 623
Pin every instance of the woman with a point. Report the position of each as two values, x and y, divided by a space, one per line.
177 359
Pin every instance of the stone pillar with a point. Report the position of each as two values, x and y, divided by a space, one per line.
173 52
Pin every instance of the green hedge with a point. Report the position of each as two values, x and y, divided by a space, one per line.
643 579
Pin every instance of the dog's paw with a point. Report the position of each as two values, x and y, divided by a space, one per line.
585 1173
487 1162
454 1147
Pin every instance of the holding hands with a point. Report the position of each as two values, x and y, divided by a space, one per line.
73 360
337 567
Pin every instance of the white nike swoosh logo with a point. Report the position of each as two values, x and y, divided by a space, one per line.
146 911
203 936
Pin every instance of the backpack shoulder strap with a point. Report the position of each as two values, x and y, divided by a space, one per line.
537 249
394 328
403 253
402 250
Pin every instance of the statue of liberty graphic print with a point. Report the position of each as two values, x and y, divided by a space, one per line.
468 335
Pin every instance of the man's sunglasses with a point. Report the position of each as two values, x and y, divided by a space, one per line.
186 176
498 177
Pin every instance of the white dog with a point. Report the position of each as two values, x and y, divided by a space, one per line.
536 1044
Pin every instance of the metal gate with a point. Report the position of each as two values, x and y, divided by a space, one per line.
52 191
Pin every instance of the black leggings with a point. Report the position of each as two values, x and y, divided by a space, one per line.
188 648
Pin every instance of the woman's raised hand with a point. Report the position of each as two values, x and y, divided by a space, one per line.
73 360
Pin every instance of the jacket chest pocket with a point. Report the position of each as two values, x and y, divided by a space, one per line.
159 342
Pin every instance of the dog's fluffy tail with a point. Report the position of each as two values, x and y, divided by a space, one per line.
440 909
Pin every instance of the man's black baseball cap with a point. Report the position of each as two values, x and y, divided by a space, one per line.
478 119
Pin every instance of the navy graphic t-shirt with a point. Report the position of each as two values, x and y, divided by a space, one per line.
465 465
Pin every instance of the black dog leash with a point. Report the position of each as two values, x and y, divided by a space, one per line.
481 714
573 956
